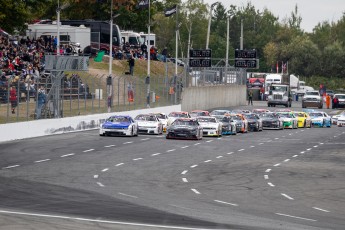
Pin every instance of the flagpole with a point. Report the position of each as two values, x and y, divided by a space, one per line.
176 46
149 58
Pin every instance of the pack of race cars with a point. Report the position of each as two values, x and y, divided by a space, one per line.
198 124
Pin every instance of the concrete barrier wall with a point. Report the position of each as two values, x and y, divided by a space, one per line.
209 97
37 128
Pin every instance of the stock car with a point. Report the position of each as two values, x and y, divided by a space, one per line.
174 115
335 118
254 122
210 126
199 113
241 123
320 119
228 125
260 111
271 121
120 125
184 128
341 120
149 124
163 118
219 113
303 119
289 120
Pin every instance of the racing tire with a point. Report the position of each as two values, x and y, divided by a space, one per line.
102 135
305 124
136 134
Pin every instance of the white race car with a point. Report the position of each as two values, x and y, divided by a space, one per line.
341 120
174 115
119 125
210 126
163 118
149 124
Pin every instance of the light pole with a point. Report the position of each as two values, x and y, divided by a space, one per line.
148 59
64 6
209 24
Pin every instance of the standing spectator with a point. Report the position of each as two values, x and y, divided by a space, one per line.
165 54
328 101
143 48
250 97
13 98
41 100
335 103
131 65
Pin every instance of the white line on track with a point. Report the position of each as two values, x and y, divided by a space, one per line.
276 165
197 143
99 221
309 149
223 202
128 142
207 161
219 157
68 155
230 153
261 143
183 147
109 146
11 166
266 177
88 150
119 164
136 159
303 152
269 141
219 138
42 160
283 136
124 194
100 184
184 180
184 172
268 170
286 160
155 154
195 191
171 150
334 136
321 143
270 184
277 138
295 156
290 134
106 169
95 176
240 150
145 139
193 166
315 146
286 196
209 141
297 217
252 146
320 209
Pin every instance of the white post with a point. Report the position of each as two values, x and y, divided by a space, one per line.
209 27
110 87
149 58
227 50
176 45
241 41
58 30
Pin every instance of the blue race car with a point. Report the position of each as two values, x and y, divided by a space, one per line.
119 125
320 119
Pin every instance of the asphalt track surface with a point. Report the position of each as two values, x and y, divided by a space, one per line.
288 179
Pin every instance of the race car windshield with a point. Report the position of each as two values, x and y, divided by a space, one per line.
312 93
161 116
299 114
219 112
118 119
315 114
288 115
178 115
145 118
252 116
341 96
196 114
207 119
237 118
226 119
180 122
268 115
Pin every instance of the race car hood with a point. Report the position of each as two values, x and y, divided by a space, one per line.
147 123
182 127
208 125
116 125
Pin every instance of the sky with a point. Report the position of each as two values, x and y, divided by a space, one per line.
311 11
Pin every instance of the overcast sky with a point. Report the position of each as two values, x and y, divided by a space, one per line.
311 11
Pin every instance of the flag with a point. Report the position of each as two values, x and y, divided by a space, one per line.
277 66
170 11
144 4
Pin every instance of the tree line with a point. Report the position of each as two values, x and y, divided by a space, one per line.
320 52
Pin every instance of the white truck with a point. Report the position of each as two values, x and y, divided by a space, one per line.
133 38
280 94
68 34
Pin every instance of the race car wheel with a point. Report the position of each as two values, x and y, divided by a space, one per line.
305 124
102 135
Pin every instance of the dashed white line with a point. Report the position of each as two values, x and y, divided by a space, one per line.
136 159
124 194
183 147
320 209
270 184
230 153
193 166
207 161
68 155
119 164
290 134
252 146
209 141
88 150
106 169
268 170
240 150
128 142
197 143
109 146
223 202
145 139
184 172
266 177
295 156
276 165
334 136
286 196
185 180
12 166
219 138
277 138
171 150
303 152
315 146
100 184
195 191
155 154
286 160
297 217
39 161
321 143
283 136
261 143
309 149
95 176
219 157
